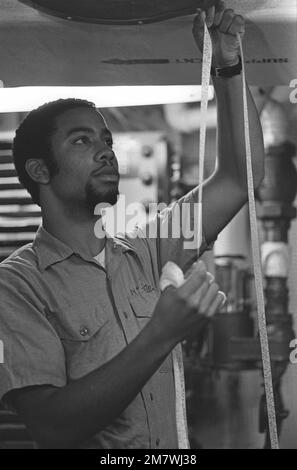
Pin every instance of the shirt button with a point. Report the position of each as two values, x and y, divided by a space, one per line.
157 442
126 315
152 396
84 331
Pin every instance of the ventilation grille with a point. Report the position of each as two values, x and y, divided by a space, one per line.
19 216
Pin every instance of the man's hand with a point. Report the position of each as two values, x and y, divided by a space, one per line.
223 25
181 311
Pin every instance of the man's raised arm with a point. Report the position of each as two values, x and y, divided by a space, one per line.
226 191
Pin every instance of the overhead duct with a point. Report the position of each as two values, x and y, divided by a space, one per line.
119 11
39 50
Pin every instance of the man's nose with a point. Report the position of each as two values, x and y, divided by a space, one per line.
105 154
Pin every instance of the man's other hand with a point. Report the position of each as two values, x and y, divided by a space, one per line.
181 311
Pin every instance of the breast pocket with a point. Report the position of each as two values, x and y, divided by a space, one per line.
78 323
85 335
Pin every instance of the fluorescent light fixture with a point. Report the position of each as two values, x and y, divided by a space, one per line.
25 99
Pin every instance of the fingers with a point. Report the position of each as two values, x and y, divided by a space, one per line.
224 19
210 277
237 25
208 299
196 298
231 23
194 280
219 14
217 304
210 14
192 267
199 294
199 20
200 291
212 300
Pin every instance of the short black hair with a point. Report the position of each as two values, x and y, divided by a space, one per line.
33 139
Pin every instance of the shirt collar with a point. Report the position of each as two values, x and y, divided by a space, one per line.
50 250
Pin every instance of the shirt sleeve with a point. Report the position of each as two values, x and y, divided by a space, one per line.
32 353
172 234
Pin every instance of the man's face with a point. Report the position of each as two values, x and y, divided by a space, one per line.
88 170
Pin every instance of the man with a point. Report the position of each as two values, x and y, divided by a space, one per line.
87 333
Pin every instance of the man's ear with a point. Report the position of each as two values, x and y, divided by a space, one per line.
37 170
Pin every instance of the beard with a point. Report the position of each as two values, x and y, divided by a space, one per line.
99 195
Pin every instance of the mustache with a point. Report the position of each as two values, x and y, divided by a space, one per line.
106 170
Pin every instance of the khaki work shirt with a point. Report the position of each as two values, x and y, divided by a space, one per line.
63 316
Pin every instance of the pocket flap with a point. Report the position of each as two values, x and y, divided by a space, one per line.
143 306
78 323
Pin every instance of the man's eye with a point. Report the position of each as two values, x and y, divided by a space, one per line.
82 140
109 142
